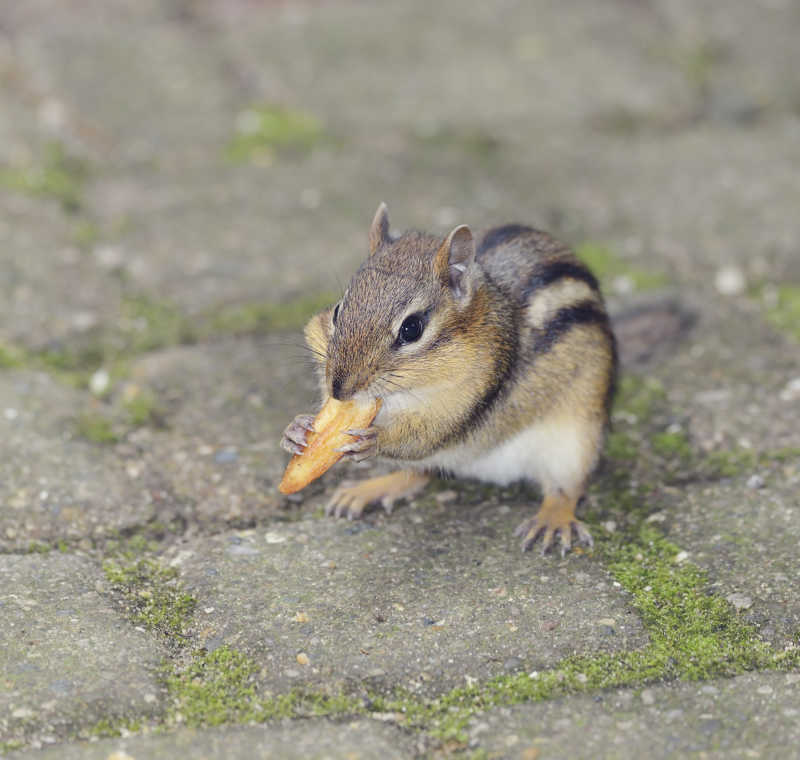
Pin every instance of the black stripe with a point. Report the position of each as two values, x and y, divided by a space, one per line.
581 313
558 270
500 235
503 371
613 374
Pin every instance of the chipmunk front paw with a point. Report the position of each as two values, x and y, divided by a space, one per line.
294 437
363 446
351 498
555 518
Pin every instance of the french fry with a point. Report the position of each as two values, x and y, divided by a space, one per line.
329 434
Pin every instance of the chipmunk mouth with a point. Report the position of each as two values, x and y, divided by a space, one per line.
401 400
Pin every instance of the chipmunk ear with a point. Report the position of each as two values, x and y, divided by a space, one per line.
454 259
379 230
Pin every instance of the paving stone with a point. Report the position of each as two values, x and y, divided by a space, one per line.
50 289
748 541
751 716
53 485
726 387
628 159
225 404
67 659
727 382
424 600
120 103
315 738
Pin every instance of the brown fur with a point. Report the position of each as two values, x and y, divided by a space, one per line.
473 344
516 335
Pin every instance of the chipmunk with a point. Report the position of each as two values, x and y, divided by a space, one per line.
493 357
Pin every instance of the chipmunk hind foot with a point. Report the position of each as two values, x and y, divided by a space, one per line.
351 498
555 519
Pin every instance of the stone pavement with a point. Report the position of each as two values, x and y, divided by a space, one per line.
182 184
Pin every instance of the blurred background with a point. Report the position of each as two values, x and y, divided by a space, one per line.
177 177
202 153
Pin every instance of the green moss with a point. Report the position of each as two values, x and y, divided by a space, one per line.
727 464
217 687
780 455
638 396
144 409
672 445
39 547
264 130
10 356
108 728
96 428
475 142
220 687
152 595
85 234
699 62
56 175
262 317
133 547
733 462
607 266
783 308
147 323
620 446
621 120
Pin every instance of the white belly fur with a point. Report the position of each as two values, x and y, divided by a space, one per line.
552 453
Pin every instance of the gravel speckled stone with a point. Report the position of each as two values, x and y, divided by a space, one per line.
313 739
751 716
423 599
54 485
67 659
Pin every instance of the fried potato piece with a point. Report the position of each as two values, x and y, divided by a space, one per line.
320 455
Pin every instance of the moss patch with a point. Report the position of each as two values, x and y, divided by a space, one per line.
263 317
475 142
217 687
672 444
147 324
151 595
55 175
111 728
220 687
607 266
96 428
10 357
142 407
782 305
262 131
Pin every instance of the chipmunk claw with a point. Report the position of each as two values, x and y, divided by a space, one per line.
362 446
294 437
351 498
555 519
344 503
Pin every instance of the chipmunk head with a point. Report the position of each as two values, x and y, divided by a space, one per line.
406 315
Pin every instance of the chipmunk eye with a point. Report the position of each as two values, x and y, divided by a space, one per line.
411 329
335 313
